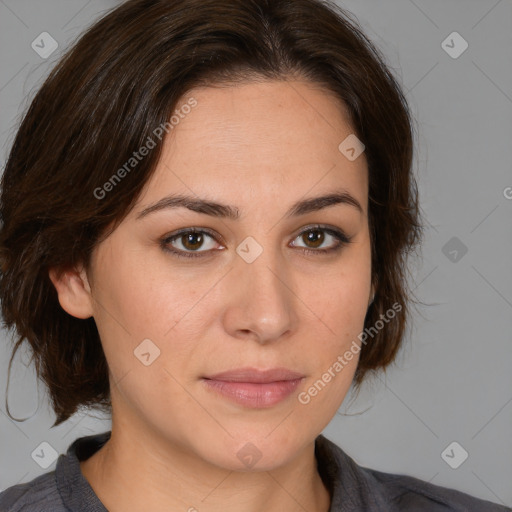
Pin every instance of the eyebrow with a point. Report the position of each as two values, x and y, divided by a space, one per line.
215 209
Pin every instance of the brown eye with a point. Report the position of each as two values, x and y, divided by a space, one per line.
192 241
189 243
315 237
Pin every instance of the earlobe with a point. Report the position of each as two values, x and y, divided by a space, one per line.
73 291
372 295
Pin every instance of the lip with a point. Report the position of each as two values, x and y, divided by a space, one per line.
254 388
255 375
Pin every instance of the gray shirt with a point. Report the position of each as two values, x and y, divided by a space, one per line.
353 488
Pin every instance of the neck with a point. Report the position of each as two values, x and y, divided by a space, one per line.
137 471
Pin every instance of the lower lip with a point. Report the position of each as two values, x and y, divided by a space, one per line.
252 394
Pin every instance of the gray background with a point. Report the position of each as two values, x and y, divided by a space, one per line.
452 381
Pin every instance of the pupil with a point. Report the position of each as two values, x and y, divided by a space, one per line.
190 237
315 236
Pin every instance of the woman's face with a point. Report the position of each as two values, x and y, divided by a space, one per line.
249 296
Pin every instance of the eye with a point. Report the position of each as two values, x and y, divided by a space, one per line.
315 236
188 242
190 239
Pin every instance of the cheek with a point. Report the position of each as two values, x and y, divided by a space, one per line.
334 355
141 295
138 300
340 300
343 309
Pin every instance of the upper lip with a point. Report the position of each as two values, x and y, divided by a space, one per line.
256 375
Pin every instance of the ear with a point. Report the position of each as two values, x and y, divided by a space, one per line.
74 291
372 294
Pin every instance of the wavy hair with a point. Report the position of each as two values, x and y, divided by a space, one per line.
124 77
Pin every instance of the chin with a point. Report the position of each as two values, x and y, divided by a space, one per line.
254 451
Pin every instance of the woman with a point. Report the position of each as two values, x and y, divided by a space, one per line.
206 216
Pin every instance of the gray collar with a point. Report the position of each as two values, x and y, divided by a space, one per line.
351 487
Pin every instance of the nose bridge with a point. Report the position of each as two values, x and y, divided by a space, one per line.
264 302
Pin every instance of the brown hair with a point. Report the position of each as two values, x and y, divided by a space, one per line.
121 80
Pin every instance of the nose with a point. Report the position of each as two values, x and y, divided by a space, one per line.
262 304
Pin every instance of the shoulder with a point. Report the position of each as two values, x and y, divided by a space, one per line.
376 491
410 493
61 490
38 495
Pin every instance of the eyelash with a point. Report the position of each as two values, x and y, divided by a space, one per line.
343 240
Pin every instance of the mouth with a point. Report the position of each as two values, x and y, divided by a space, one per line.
253 388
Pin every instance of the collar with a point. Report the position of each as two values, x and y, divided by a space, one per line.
351 487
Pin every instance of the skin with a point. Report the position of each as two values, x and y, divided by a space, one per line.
260 147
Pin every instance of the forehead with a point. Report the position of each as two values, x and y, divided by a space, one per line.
273 138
